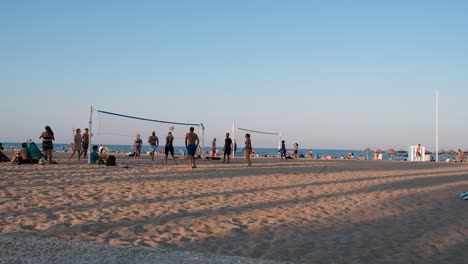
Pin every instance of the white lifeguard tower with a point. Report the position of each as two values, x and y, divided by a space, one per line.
412 153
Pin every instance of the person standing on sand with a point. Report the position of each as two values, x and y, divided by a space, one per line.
459 155
137 146
47 143
296 149
213 147
418 152
85 142
248 149
235 147
227 148
76 144
169 148
153 144
191 143
282 150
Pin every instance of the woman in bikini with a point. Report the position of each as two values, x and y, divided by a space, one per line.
47 144
248 149
137 146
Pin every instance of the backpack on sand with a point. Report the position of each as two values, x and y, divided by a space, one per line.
110 161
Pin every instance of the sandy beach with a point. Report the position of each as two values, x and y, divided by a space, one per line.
301 211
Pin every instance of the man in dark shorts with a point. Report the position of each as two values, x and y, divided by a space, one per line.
282 151
169 148
85 142
227 148
191 143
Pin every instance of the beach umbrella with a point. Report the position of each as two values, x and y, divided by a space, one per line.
391 152
427 152
378 151
402 151
367 150
451 152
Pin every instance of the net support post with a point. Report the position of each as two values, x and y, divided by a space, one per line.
90 145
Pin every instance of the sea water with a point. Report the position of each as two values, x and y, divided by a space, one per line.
336 153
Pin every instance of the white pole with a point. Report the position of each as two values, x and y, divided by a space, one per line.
90 145
279 141
437 125
203 139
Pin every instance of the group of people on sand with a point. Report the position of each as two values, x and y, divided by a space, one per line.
80 143
228 148
283 152
192 143
22 156
153 142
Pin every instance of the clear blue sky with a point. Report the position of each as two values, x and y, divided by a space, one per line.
328 74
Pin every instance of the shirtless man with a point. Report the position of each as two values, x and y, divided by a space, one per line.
418 152
213 147
154 143
459 155
191 143
85 142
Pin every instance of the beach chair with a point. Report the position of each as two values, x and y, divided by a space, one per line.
34 152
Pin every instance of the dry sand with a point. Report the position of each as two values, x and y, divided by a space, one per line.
305 211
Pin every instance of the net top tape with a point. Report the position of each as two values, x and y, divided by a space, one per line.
150 120
260 132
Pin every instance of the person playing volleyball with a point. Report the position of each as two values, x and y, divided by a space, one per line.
154 143
191 143
169 148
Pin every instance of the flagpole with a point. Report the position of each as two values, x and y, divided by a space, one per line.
437 125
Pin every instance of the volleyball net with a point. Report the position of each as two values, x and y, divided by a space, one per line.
121 129
265 140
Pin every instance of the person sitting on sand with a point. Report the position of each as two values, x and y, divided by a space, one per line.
21 156
94 156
